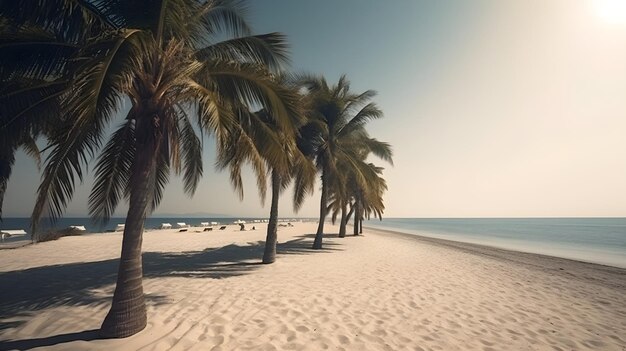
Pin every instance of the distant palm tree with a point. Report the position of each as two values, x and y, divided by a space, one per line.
169 60
335 134
283 160
368 198
363 193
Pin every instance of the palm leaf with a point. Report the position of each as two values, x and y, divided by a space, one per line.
112 173
267 49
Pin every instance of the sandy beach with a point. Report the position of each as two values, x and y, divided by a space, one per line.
380 291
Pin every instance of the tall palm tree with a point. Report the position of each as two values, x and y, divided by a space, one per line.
169 60
335 133
283 160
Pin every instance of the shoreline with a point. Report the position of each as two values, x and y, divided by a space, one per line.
526 247
545 263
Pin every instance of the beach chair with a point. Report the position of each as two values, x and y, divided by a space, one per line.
120 227
223 227
204 224
183 230
7 233
78 227
182 225
166 226
208 229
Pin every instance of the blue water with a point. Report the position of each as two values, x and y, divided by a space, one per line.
597 240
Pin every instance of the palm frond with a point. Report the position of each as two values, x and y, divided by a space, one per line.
218 17
270 50
112 173
191 147
366 114
253 86
381 149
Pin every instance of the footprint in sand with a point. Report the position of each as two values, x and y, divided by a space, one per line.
302 329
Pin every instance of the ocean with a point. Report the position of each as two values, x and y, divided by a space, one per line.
596 240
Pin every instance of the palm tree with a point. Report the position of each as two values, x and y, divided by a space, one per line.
363 193
335 133
168 59
283 160
368 197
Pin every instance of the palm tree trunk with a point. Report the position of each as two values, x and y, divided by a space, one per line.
357 213
7 159
317 243
269 256
344 221
350 213
361 226
127 315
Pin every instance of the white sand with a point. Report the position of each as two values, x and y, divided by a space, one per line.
377 292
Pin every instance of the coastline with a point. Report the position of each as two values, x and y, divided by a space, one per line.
588 271
382 290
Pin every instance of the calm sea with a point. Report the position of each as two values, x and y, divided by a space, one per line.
597 240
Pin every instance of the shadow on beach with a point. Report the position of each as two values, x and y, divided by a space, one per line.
27 291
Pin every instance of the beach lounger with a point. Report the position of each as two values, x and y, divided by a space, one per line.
166 226
183 230
79 227
223 227
182 225
204 224
7 233
119 227
208 229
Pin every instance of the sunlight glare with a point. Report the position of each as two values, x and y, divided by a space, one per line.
611 11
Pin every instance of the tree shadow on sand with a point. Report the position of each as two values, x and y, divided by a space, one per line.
27 291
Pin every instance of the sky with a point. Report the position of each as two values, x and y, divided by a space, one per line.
493 108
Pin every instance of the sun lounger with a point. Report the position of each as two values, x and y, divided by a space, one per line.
119 227
183 230
7 233
79 227
208 229
223 227
204 224
182 225
166 226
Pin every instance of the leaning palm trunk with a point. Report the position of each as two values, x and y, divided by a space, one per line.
357 216
361 226
317 243
127 315
269 256
344 221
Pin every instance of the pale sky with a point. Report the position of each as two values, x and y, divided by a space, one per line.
494 108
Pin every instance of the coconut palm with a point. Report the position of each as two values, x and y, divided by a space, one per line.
283 160
335 134
368 198
170 60
363 194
